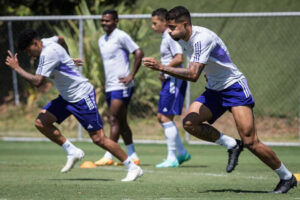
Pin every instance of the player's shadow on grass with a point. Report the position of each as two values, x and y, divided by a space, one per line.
237 191
81 179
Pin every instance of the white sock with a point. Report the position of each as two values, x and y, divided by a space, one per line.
108 155
226 141
283 172
170 133
131 151
129 164
69 147
179 146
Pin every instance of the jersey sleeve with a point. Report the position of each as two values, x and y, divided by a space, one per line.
47 63
128 43
202 49
175 47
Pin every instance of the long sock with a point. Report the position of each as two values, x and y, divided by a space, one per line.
69 147
226 141
179 146
131 151
283 172
108 155
129 164
170 133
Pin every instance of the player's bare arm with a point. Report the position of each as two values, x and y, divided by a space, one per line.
138 55
176 61
191 74
13 63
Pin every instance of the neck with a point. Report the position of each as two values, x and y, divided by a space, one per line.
188 34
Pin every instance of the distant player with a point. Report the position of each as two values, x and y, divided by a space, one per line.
172 93
115 47
226 89
76 97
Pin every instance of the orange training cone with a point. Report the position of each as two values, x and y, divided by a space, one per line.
88 164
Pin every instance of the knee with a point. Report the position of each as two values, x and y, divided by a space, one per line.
39 124
98 138
188 124
159 118
251 143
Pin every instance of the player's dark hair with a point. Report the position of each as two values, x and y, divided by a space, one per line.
26 37
179 14
161 13
111 12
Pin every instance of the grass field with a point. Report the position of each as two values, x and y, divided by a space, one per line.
30 170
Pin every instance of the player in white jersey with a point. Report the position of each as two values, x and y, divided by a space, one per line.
76 97
226 89
172 93
115 47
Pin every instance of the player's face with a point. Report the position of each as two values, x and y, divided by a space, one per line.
176 30
34 49
159 26
108 23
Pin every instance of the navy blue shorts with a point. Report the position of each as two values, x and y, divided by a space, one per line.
219 102
171 96
85 111
124 95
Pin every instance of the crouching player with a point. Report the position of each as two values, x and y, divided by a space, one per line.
76 97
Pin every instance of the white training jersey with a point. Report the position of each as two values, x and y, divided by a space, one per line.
168 49
114 50
56 64
204 46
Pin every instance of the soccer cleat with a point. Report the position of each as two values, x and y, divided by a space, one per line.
167 164
285 185
233 156
132 175
72 159
104 162
184 158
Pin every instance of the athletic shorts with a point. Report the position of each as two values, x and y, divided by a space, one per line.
124 95
85 111
238 94
171 96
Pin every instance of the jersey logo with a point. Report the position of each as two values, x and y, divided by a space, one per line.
165 109
89 126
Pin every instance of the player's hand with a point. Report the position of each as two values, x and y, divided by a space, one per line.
12 60
78 61
151 63
126 80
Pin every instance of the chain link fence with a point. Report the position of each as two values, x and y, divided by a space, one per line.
264 46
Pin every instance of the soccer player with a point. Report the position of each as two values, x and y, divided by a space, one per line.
172 92
115 47
226 89
76 97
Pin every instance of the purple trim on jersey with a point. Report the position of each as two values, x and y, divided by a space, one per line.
85 111
219 54
126 55
218 102
65 68
171 103
123 95
197 52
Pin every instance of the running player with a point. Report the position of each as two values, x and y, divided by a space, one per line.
226 89
76 97
172 92
115 47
